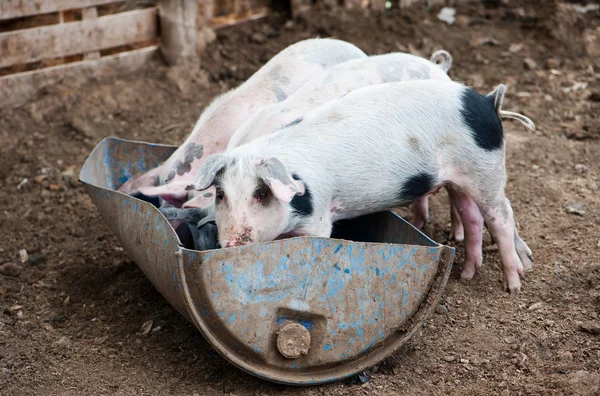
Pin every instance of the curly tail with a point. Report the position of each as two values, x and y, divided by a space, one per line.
498 96
443 59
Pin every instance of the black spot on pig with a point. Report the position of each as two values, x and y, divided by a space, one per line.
479 114
295 122
416 186
279 94
207 195
275 72
302 204
284 80
192 151
170 176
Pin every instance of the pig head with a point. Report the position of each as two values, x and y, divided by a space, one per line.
252 197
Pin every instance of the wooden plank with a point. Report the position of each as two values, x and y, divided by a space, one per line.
22 8
219 22
17 89
32 45
90 13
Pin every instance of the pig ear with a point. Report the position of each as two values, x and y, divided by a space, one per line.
206 175
274 173
173 193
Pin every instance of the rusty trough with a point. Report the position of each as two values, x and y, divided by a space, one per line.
298 311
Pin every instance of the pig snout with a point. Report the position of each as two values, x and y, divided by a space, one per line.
240 238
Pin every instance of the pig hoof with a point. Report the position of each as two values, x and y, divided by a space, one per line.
457 235
468 273
514 289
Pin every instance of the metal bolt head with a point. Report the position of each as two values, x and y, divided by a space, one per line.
293 340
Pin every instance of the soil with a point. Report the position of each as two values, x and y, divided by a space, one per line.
74 316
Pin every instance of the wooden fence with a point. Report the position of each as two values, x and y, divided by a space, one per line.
43 42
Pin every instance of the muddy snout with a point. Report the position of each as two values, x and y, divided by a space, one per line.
240 238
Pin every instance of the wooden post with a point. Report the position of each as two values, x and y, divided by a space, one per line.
179 33
90 13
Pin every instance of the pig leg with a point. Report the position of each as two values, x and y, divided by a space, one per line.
471 217
499 218
420 210
525 254
457 231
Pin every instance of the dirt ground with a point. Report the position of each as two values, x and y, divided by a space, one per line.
71 315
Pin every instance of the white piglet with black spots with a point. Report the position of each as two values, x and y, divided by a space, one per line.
283 75
373 149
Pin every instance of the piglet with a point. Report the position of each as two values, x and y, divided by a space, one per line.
373 149
338 81
274 82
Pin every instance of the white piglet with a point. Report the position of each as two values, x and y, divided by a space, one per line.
338 81
373 149
274 82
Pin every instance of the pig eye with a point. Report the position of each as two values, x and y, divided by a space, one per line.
261 195
219 194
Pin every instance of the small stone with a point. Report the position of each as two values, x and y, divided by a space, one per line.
63 342
576 209
530 64
147 326
464 361
449 358
23 256
100 340
505 392
515 47
590 327
580 168
441 309
104 352
289 25
36 259
10 269
447 14
258 38
535 306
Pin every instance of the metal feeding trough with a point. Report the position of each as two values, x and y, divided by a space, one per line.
296 311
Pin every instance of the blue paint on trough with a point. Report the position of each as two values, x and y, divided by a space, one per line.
352 292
